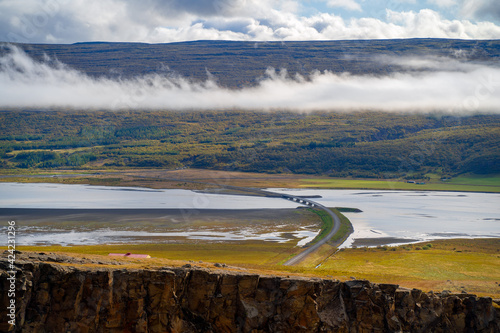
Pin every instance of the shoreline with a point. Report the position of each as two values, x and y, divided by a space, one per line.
264 188
139 218
202 179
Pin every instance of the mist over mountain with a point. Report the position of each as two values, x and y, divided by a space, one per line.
229 84
238 64
392 75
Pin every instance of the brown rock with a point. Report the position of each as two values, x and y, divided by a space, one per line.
55 298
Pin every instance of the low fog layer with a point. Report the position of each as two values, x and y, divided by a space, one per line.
430 84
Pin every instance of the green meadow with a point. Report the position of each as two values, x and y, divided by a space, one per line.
461 183
458 265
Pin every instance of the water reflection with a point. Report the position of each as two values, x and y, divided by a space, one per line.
387 217
394 217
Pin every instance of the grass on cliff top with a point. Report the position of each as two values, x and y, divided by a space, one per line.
245 254
470 265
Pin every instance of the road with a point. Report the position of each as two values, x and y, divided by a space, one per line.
336 226
254 191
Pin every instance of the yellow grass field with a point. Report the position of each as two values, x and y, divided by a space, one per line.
200 179
458 265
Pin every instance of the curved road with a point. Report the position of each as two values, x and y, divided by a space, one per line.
256 191
336 226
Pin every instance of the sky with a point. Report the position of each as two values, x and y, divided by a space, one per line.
453 85
163 21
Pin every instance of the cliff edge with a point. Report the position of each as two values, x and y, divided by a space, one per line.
56 293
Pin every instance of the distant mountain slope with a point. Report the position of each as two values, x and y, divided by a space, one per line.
361 144
237 64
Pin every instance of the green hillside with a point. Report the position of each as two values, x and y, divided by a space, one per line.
362 144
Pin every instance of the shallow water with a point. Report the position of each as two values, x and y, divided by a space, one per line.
41 195
408 216
193 204
388 217
42 236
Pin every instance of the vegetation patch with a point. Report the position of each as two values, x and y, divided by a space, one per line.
348 210
471 184
340 236
254 253
458 265
345 230
326 224
370 145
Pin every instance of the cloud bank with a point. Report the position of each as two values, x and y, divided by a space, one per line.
161 21
429 84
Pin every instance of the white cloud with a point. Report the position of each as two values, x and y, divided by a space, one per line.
279 26
346 4
445 85
443 3
63 21
481 9
428 23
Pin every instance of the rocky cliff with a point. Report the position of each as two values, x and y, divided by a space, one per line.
57 294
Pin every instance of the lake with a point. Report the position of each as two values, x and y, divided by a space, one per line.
387 217
42 195
390 217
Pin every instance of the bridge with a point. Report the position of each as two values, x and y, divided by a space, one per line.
259 192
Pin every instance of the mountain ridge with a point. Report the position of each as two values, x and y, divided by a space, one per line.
238 64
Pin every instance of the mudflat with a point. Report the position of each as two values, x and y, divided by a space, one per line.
169 218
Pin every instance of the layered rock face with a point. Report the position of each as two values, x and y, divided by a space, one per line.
54 297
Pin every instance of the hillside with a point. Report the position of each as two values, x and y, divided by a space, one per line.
360 144
239 64
363 144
